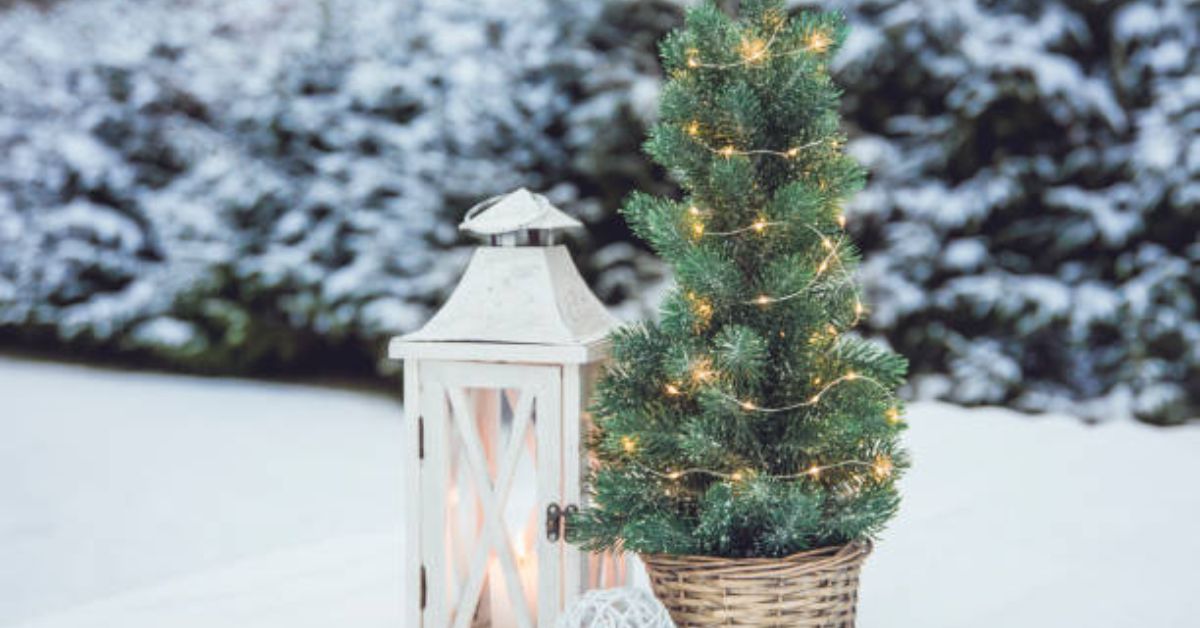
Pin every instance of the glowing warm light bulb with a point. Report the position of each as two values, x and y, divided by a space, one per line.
628 444
858 307
831 329
736 476
851 376
816 381
818 42
841 221
748 405
882 467
698 229
753 49
893 415
824 265
675 475
762 299
671 389
792 152
693 60
759 225
520 550
726 151
693 128
701 372
814 399
827 244
814 471
693 210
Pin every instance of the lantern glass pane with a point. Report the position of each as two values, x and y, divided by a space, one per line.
492 497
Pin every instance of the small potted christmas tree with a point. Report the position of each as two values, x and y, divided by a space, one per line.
747 443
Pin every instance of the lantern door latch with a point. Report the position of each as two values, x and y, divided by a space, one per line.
556 520
424 593
420 438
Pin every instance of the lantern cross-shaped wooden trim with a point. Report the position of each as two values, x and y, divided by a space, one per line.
496 385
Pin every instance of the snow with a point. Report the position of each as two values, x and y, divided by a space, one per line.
143 500
965 254
314 154
1137 21
129 490
337 582
1060 136
166 331
1019 521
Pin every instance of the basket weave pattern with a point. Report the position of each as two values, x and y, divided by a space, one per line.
805 590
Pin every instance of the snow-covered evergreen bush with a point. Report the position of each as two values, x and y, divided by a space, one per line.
260 185
1035 199
264 186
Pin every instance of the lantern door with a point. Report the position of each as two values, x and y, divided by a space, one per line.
490 468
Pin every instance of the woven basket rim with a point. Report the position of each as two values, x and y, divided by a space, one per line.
830 553
813 588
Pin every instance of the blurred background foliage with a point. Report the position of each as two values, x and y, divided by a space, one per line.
272 187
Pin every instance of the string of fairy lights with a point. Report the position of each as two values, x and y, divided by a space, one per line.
882 467
704 309
852 376
761 224
729 150
702 372
754 51
757 226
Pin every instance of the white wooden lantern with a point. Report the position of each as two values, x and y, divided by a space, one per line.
495 389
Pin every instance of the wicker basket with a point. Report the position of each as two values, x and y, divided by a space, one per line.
809 589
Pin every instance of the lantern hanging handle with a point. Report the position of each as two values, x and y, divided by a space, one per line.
482 205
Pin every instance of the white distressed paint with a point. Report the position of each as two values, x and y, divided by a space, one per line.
526 294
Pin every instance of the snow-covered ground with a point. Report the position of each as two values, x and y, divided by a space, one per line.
132 500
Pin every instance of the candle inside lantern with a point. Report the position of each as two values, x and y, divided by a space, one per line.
501 599
527 565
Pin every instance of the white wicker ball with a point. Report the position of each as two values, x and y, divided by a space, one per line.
616 608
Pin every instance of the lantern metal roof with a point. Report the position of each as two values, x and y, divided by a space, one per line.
525 303
517 210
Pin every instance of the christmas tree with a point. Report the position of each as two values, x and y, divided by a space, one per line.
749 421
